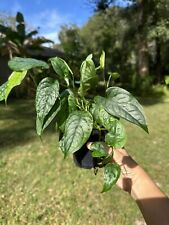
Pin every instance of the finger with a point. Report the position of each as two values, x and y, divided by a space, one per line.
89 145
108 149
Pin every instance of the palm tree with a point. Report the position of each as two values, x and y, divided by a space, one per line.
16 41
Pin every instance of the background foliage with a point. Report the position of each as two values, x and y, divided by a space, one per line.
135 39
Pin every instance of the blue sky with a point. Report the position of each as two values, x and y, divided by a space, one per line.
49 15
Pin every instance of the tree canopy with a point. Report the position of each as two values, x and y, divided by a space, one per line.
135 37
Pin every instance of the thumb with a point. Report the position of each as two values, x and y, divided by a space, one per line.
89 145
108 149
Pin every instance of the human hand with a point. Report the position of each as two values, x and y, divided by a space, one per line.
153 203
129 168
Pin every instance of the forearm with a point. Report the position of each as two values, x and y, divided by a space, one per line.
153 203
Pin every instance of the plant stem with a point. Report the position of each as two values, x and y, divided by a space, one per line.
104 80
108 82
97 68
33 79
73 82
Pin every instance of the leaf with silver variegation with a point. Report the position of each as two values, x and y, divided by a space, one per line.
22 64
62 69
121 103
46 95
101 116
111 174
88 76
116 137
2 91
78 128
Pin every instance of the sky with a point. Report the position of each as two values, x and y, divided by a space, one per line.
49 15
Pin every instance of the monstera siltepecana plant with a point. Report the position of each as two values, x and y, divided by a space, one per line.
80 118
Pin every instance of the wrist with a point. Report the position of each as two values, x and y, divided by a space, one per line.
138 180
143 187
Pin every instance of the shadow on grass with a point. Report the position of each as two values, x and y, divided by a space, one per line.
17 109
17 123
151 101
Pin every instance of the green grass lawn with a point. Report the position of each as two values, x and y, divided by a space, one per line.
37 186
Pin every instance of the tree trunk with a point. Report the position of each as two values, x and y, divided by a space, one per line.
142 55
143 58
158 61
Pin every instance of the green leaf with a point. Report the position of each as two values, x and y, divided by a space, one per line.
14 80
4 29
67 106
31 33
40 127
101 116
19 17
78 128
89 57
111 175
121 103
21 64
114 75
167 80
51 115
63 113
2 91
61 68
88 76
72 102
98 150
102 60
21 30
21 25
117 136
46 96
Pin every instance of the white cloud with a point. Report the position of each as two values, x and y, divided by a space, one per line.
52 36
49 22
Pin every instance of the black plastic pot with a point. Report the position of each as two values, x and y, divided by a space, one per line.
83 157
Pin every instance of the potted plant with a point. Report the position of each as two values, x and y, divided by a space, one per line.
80 116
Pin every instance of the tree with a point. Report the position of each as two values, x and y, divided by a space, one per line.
101 5
107 33
135 39
159 33
72 45
7 20
103 31
150 26
16 40
140 17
